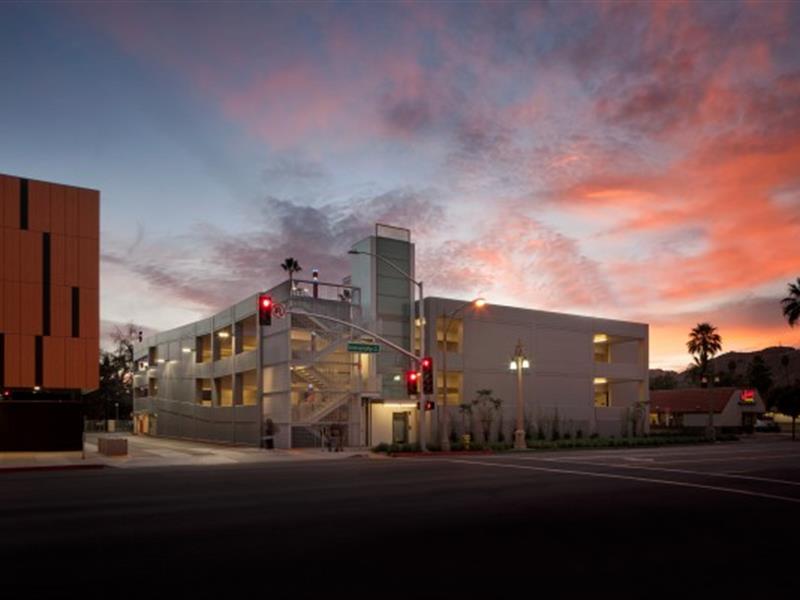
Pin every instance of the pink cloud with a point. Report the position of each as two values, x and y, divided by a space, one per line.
650 122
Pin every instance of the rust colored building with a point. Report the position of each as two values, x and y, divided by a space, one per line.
49 300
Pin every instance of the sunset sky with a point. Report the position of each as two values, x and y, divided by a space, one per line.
636 161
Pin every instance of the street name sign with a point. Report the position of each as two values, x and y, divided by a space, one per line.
363 347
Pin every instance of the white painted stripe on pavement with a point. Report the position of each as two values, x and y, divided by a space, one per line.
662 452
684 484
683 460
686 472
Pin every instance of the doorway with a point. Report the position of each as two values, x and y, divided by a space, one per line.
400 428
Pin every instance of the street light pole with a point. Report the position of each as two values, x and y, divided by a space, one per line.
711 431
421 412
444 438
518 363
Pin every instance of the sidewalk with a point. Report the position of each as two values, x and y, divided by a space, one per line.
146 451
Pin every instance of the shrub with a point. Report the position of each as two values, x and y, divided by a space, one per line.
500 447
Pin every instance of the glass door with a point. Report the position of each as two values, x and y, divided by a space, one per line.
400 428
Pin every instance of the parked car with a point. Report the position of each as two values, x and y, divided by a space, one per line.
766 424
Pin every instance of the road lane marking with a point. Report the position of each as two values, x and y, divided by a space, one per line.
670 482
683 460
662 452
730 475
723 459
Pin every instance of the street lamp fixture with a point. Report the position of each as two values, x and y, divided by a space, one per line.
444 438
519 363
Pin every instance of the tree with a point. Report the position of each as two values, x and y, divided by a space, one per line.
759 376
692 372
704 342
487 406
785 365
466 418
116 377
791 304
291 266
664 381
732 371
787 400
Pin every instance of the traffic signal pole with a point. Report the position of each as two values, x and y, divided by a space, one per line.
421 415
422 396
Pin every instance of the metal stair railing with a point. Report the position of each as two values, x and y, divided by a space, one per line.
319 355
311 374
308 413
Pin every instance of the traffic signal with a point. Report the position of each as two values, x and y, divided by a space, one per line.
430 404
265 309
427 375
412 379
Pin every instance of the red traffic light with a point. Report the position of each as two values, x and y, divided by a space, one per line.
427 375
265 310
411 382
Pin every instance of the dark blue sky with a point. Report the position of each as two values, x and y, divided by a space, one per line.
630 160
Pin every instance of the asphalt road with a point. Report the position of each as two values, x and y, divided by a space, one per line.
701 520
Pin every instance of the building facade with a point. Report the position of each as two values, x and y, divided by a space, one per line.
724 407
49 311
301 381
586 375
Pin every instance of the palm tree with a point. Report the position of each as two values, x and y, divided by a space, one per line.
291 266
791 304
704 342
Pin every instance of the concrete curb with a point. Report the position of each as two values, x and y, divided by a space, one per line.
437 453
50 468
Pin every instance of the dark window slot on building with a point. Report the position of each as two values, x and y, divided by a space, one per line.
46 284
2 360
39 367
76 312
23 203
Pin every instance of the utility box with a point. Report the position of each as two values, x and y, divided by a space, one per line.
112 446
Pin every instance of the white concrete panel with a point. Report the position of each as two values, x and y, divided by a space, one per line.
245 308
624 394
626 352
277 407
494 344
276 379
276 352
550 391
618 371
561 350
246 361
223 366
